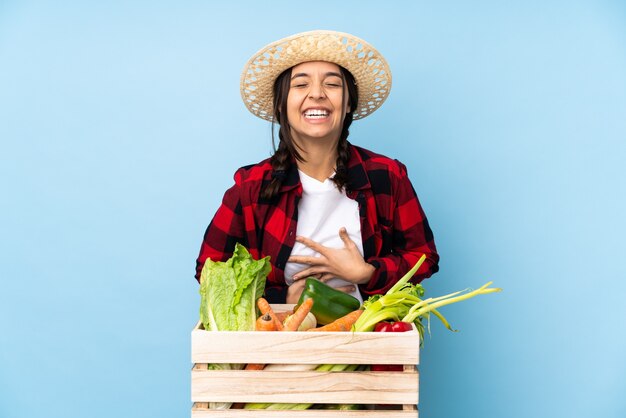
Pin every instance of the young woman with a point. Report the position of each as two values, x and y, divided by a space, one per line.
320 206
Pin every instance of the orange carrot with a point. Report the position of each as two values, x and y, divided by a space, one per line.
341 324
265 323
265 308
293 321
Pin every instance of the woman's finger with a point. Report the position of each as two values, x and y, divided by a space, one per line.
343 234
308 272
303 259
311 244
326 277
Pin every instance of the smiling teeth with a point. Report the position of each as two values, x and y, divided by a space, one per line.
315 114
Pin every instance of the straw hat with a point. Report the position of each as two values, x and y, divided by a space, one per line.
369 68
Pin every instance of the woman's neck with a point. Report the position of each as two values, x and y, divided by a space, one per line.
320 159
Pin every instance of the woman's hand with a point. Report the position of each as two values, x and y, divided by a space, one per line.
294 291
345 263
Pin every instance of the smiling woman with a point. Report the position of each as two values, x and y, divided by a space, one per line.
316 104
321 207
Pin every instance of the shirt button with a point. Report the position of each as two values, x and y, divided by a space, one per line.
290 233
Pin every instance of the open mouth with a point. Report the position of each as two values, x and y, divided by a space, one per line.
315 114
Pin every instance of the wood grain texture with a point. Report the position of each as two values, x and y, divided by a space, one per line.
304 387
304 347
200 405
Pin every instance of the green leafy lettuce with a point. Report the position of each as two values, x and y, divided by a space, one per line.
229 291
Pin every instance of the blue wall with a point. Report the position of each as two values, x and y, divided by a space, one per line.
121 126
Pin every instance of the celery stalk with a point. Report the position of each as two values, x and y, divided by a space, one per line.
483 290
408 275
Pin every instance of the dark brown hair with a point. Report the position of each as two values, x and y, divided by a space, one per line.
287 150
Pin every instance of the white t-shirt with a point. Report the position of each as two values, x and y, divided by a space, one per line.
322 211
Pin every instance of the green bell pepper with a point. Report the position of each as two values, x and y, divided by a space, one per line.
328 303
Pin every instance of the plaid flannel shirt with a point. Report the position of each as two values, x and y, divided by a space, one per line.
394 229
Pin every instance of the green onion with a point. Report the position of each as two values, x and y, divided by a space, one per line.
401 303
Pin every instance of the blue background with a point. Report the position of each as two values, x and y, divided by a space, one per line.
121 126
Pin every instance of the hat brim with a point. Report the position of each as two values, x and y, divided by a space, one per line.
369 68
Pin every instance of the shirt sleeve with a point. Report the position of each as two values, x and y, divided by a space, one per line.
224 231
411 238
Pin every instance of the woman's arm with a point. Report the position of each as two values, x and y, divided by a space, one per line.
411 237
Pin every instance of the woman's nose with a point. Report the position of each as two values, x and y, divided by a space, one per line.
317 91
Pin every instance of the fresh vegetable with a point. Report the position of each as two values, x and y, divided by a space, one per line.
293 321
403 303
268 323
229 291
330 303
308 323
342 407
397 326
265 308
344 323
254 366
265 323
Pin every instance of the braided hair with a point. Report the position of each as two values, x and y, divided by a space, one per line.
288 150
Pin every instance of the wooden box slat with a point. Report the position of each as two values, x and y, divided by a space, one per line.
363 387
304 347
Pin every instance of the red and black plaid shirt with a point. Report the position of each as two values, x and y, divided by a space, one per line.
394 228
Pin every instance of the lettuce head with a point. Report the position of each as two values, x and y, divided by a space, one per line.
229 291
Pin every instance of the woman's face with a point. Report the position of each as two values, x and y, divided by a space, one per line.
315 108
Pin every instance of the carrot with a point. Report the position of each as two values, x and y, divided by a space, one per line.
293 321
341 324
265 323
265 308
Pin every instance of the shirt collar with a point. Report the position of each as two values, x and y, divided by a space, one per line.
292 179
357 175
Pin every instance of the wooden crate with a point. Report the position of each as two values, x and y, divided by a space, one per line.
387 394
